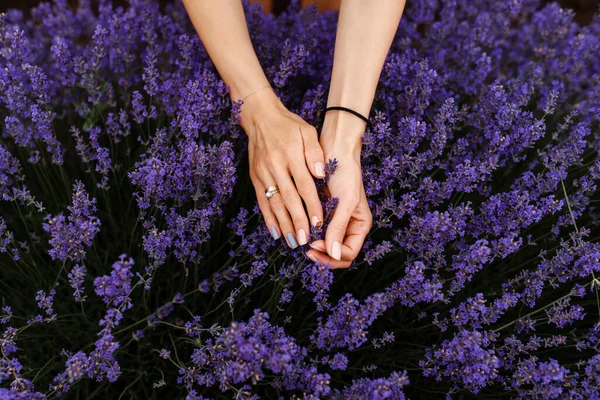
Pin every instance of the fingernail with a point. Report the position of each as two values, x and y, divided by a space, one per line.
274 233
302 238
320 169
336 250
317 247
316 222
312 257
292 240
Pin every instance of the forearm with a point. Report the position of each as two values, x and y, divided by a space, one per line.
365 32
221 25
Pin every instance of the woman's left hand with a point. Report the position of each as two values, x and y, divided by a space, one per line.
352 219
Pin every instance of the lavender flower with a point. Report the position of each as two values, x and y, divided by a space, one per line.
76 279
70 235
480 168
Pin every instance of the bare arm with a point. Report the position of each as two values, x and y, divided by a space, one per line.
281 145
365 32
364 35
221 24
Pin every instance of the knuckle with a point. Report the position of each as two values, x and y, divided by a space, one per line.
313 204
350 204
256 171
304 187
262 170
340 230
369 220
270 221
253 178
253 172
275 158
310 130
295 153
276 202
299 220
288 194
337 229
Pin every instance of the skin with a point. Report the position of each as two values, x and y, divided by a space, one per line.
285 150
365 32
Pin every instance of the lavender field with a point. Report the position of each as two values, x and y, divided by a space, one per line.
135 264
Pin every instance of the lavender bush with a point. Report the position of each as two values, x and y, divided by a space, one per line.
134 260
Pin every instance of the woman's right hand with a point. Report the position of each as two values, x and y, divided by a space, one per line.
283 150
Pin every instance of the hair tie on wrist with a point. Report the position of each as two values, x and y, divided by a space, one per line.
359 115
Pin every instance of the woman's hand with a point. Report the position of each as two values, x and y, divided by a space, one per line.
282 146
365 32
283 150
352 218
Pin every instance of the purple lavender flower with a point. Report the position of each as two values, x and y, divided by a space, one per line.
7 313
45 302
115 290
164 353
338 362
70 235
102 362
76 280
317 278
77 366
245 351
468 358
7 394
381 388
480 169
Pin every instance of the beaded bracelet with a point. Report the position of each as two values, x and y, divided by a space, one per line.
359 115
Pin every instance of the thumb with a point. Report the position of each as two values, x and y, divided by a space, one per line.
336 230
312 151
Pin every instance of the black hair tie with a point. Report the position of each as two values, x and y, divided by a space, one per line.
359 115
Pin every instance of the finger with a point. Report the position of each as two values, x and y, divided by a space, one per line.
351 246
336 231
350 249
289 194
323 258
308 191
312 151
265 208
319 245
279 209
356 232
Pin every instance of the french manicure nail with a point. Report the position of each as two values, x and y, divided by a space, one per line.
302 238
336 250
292 240
316 222
320 169
274 232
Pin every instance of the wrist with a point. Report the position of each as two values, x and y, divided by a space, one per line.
258 106
342 133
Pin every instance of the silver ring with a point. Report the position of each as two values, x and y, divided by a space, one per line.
271 190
